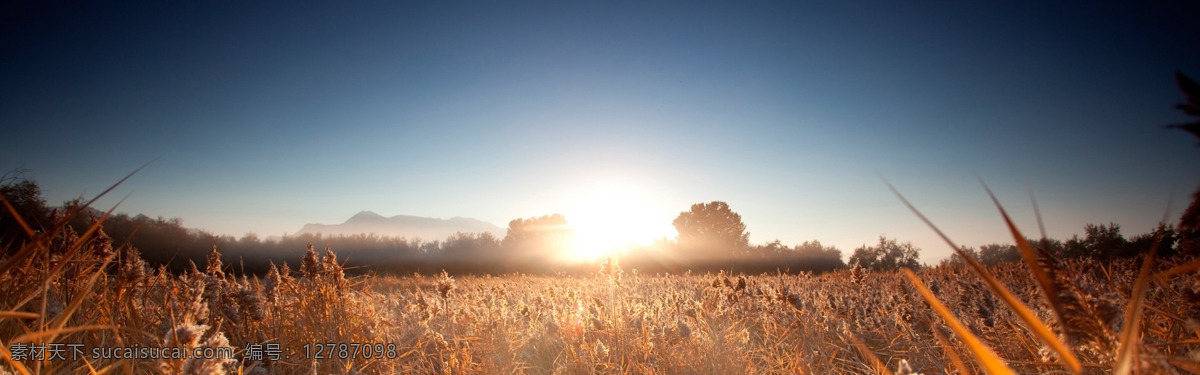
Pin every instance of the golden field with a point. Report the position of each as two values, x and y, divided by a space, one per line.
76 288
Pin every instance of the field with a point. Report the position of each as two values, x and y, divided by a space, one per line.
103 310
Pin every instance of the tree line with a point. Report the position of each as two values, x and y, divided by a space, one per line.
711 237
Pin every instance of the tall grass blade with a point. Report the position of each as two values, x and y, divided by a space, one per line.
18 315
15 365
87 235
866 352
53 333
955 359
62 319
39 242
1022 311
988 358
1037 212
1186 364
17 215
1131 327
1031 257
114 186
1180 269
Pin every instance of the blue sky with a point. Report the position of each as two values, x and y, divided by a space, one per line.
264 117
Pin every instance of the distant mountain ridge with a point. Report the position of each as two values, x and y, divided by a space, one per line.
425 228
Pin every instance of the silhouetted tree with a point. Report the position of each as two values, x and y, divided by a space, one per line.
1189 222
1166 236
1191 104
712 228
26 198
888 254
1189 227
1099 242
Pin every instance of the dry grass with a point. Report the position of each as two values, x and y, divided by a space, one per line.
73 287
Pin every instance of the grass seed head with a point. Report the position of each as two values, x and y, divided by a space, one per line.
445 284
310 266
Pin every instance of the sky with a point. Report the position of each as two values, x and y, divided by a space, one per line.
261 117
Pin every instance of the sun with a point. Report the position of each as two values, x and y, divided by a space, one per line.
614 216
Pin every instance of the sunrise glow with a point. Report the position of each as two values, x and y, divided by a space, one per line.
613 216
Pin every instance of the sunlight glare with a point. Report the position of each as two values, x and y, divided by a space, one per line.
615 216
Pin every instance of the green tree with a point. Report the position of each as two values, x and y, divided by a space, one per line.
712 228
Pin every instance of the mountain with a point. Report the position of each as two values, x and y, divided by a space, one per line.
425 228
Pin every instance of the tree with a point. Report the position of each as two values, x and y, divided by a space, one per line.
1054 247
819 256
1189 226
538 235
772 248
712 228
887 255
25 196
1191 107
1189 222
958 260
1101 242
995 253
1165 235
465 246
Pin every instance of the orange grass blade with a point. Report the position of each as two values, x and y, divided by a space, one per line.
58 331
988 358
39 241
17 215
16 365
7 357
24 255
1186 364
955 359
866 352
87 235
79 209
1037 213
62 319
1023 311
18 315
1049 289
114 186
1127 352
1130 328
1030 256
1180 269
